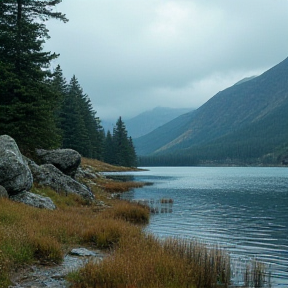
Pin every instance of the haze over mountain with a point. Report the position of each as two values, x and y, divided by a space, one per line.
244 121
147 121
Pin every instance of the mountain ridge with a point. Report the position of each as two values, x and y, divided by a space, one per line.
225 113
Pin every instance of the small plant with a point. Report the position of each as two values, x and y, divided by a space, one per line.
166 201
255 274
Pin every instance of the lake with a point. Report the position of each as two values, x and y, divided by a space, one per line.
243 209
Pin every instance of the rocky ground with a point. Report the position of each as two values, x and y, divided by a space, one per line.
39 276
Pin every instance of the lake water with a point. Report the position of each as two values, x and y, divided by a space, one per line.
243 209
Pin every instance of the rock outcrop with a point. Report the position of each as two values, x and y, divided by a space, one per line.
66 160
3 192
15 174
49 175
34 200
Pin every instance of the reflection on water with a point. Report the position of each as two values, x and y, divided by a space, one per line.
244 210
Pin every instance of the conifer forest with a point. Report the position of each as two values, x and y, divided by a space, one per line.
39 108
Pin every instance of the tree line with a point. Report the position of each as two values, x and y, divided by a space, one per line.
38 108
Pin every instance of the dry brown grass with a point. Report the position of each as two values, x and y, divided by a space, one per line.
148 262
29 234
118 186
104 167
130 212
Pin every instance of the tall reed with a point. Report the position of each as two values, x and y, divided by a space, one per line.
148 262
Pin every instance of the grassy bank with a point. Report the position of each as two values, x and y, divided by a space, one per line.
35 236
31 235
146 261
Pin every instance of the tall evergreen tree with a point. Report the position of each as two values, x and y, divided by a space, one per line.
60 87
75 134
27 102
80 127
109 149
120 139
132 153
119 148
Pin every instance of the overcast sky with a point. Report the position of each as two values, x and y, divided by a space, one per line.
133 55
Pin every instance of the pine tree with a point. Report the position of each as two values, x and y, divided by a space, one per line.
60 87
80 127
27 102
75 134
109 149
119 148
132 154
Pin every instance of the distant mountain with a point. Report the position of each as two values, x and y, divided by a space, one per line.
108 125
245 121
152 119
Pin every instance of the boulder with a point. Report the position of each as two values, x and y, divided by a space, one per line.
15 174
34 200
3 192
66 160
49 175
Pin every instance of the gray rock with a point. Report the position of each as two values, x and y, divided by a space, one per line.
66 160
34 200
15 174
3 192
83 252
49 175
87 172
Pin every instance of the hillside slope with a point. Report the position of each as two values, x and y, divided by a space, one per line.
235 114
148 121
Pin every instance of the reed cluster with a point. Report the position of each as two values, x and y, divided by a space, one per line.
149 262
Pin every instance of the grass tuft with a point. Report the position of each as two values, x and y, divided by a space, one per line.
131 212
119 186
148 262
47 250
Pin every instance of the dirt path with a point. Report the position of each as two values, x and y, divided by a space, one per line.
54 276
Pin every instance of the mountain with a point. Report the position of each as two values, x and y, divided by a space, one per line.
147 121
245 80
245 121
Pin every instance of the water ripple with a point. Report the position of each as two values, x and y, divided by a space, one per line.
244 210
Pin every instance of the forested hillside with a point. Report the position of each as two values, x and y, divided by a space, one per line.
38 107
243 123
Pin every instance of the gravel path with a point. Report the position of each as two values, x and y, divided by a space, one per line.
54 276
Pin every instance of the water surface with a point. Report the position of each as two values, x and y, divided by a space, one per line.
242 209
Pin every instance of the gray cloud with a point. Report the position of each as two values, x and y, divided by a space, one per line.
130 56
